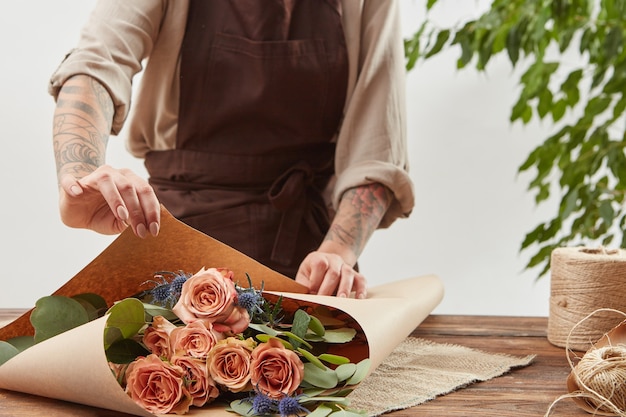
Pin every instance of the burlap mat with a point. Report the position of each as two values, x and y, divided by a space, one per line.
419 370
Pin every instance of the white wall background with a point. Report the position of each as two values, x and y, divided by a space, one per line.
472 209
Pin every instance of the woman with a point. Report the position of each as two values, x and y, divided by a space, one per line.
276 127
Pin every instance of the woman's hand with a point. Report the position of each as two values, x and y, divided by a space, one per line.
108 200
326 273
330 269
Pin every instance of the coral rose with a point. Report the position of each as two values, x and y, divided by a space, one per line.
210 295
157 337
229 363
195 339
200 385
276 370
157 385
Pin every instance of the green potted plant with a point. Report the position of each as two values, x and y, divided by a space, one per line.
582 160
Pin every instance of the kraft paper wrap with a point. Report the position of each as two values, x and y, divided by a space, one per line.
584 280
73 367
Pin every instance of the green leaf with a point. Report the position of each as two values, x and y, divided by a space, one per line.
613 42
607 213
153 310
348 413
22 342
300 325
242 407
320 411
346 371
342 335
513 43
362 370
558 110
333 359
95 300
321 378
125 351
264 338
430 4
545 103
126 319
311 358
262 328
316 326
442 38
56 314
7 351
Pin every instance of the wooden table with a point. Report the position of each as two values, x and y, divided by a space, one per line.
527 391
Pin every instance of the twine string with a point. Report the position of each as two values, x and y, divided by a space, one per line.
600 374
582 280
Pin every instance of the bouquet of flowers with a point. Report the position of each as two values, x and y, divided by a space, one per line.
206 343
210 339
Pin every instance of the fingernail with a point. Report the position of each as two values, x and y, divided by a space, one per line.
341 295
122 213
76 190
154 228
361 296
141 230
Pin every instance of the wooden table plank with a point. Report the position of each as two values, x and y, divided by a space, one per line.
527 391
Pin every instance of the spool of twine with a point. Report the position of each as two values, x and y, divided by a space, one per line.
597 383
602 374
582 281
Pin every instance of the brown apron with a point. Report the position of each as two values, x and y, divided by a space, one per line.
263 86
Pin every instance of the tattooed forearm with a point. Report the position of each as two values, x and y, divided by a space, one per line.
82 122
359 214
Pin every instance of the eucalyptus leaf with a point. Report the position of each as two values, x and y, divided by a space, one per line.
348 413
346 371
56 314
128 317
22 342
316 326
342 335
362 370
333 359
311 358
154 310
265 338
242 407
330 399
320 411
7 351
321 378
299 326
96 300
125 351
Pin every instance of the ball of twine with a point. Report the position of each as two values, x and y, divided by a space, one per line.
601 374
582 281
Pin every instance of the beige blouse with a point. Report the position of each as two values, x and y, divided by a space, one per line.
121 37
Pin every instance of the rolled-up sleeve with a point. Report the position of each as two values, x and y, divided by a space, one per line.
113 43
372 144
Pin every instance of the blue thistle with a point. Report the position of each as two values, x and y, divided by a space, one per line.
161 293
176 284
166 293
289 406
262 404
251 301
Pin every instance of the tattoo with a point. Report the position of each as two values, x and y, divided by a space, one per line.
82 122
359 214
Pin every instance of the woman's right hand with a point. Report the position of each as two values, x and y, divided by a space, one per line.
108 200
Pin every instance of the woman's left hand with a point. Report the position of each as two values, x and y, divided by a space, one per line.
327 273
